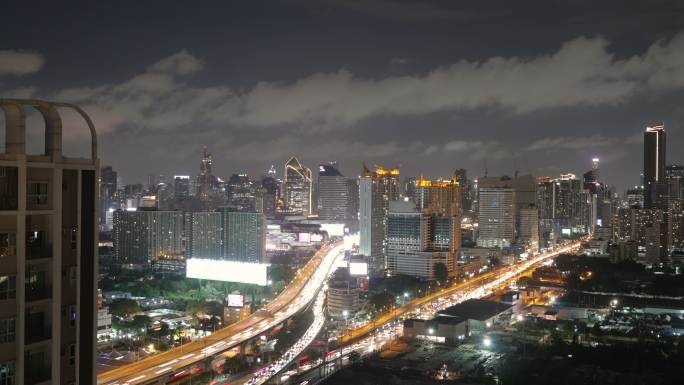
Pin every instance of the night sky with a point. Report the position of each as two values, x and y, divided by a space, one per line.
537 86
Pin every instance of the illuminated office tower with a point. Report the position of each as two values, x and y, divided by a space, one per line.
376 189
48 252
181 187
418 240
496 217
143 237
298 188
333 194
241 192
654 166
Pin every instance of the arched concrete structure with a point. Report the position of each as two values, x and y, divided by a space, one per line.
15 127
15 122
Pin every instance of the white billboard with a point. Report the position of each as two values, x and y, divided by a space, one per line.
358 268
236 300
228 271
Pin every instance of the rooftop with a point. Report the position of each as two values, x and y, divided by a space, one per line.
476 309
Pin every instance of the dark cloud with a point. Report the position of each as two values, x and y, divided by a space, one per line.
432 85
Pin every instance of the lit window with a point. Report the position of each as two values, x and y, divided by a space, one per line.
8 243
8 287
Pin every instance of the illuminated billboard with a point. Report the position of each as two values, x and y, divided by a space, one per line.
227 271
309 237
236 300
358 268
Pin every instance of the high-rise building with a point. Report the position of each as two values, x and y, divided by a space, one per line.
204 235
241 193
298 188
142 237
333 194
408 187
244 235
181 187
48 252
418 240
461 176
269 194
525 187
108 188
528 229
206 182
376 190
564 207
496 227
654 164
634 197
442 197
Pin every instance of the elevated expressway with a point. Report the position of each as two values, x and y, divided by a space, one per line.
477 287
193 357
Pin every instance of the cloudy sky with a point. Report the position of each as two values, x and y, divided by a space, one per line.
428 85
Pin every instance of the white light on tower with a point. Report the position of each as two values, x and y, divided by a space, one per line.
595 163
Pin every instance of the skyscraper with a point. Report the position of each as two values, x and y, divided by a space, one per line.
333 194
107 191
497 217
48 250
376 190
181 187
654 164
206 181
269 193
298 188
241 193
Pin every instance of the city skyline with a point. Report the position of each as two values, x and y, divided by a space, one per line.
594 84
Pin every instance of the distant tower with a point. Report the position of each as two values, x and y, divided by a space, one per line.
654 163
298 188
205 179
595 167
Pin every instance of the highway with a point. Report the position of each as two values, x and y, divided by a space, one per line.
180 361
477 287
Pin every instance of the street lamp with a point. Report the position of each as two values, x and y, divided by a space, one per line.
487 342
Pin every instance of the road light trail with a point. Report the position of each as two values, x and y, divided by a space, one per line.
299 292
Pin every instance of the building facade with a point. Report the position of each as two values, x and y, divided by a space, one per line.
496 226
244 236
142 237
333 194
376 189
48 253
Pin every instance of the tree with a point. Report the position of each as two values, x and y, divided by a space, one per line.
141 321
441 273
382 300
124 307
